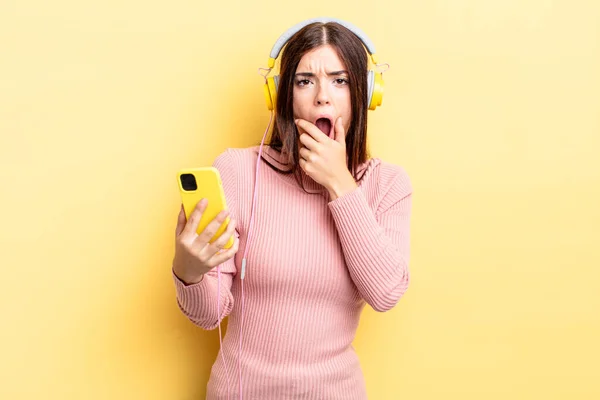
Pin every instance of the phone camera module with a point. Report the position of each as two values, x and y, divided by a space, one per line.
188 182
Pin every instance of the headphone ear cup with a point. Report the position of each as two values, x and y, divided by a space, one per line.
270 91
375 81
378 89
370 85
267 95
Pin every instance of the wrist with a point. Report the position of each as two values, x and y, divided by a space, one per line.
186 277
342 187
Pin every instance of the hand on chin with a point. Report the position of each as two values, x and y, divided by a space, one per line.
321 157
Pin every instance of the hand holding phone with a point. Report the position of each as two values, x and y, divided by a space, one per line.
204 234
196 184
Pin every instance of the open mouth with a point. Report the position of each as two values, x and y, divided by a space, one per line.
325 125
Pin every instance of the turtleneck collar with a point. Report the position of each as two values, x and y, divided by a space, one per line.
281 162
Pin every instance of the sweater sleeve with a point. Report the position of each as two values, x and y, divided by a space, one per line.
198 301
376 244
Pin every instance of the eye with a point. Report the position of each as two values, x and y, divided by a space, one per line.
302 82
341 81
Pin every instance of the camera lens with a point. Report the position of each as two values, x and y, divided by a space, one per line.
188 182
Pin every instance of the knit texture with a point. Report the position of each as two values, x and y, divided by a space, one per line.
312 266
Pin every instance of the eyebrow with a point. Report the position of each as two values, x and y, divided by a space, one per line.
311 75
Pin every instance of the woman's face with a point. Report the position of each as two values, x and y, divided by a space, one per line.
321 92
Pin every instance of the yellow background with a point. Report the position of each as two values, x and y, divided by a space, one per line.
493 107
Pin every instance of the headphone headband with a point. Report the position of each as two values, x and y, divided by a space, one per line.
290 32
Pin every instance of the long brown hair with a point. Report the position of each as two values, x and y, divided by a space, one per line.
351 52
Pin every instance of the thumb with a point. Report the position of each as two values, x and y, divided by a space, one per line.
340 134
181 221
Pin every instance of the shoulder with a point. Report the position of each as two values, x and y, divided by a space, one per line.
235 154
384 184
246 157
383 177
233 165
232 159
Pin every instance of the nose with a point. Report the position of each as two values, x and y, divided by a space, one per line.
322 96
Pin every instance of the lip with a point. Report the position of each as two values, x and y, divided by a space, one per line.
331 122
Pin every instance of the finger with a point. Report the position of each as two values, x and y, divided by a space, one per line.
180 221
312 130
309 142
225 255
305 153
211 229
340 133
219 244
195 216
304 165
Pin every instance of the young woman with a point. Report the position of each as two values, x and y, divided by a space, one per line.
324 230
